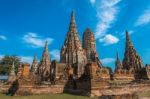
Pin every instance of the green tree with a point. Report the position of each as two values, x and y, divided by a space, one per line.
6 63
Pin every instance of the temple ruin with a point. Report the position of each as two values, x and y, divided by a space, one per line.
80 69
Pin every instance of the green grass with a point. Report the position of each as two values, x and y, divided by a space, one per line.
47 96
144 94
61 96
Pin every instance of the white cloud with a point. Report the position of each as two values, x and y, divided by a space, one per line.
27 59
92 1
144 18
107 11
36 40
109 39
2 37
55 54
107 60
1 56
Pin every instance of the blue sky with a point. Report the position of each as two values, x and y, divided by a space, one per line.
26 24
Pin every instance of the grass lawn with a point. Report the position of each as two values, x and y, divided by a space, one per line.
61 96
52 96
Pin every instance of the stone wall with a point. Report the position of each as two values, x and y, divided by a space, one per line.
147 71
26 70
32 90
98 89
122 74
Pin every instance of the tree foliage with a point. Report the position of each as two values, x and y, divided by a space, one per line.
6 63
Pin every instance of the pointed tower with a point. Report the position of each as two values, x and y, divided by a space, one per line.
34 66
89 45
44 66
118 63
131 58
12 76
72 53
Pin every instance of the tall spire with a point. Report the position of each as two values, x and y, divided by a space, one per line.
118 56
118 62
35 58
89 45
72 21
128 41
131 58
12 75
72 40
13 69
72 17
44 66
72 51
89 40
34 65
45 56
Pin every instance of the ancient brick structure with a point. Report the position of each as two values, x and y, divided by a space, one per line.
93 71
118 63
72 52
89 45
12 76
79 63
79 70
25 76
44 65
94 68
34 66
26 70
121 73
57 71
131 59
147 71
20 69
132 64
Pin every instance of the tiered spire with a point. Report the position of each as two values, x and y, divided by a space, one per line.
72 21
45 56
12 74
131 59
72 51
72 40
89 45
118 63
128 41
34 66
44 66
89 40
